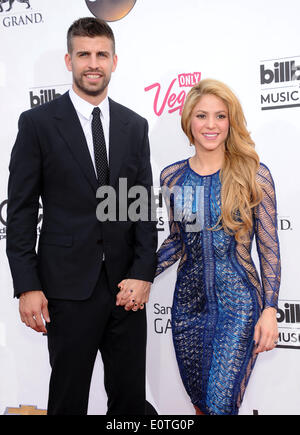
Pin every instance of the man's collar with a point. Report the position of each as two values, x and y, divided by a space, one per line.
85 108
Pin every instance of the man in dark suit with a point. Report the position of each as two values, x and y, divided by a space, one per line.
64 151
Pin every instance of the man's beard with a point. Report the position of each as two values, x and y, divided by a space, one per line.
90 91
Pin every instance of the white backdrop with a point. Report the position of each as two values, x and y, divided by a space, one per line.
251 46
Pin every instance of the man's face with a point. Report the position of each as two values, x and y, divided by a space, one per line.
91 61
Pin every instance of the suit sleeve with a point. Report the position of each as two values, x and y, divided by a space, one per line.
145 232
24 187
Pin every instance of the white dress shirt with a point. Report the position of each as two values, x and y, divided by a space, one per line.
84 111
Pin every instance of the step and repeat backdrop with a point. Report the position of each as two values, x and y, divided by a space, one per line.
164 48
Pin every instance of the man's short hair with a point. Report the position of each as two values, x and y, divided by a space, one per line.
90 27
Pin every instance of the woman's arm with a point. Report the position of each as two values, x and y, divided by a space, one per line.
266 330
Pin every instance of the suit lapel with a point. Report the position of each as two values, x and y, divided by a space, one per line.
71 131
73 135
117 142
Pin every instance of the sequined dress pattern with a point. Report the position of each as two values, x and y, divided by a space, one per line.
219 294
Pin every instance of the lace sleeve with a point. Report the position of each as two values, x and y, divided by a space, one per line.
171 249
267 239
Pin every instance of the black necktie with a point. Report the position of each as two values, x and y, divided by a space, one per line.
99 148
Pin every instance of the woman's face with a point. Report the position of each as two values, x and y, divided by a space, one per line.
210 123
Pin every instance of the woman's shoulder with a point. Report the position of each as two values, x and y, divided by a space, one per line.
264 176
172 170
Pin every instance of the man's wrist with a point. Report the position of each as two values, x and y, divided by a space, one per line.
28 292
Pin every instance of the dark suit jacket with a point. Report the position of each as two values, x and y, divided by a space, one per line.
50 160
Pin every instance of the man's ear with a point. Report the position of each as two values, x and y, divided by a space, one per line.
115 62
68 62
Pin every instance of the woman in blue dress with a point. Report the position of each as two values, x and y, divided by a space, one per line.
223 313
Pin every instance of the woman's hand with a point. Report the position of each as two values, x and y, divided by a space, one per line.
133 294
266 331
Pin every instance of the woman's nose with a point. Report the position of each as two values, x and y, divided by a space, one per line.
211 122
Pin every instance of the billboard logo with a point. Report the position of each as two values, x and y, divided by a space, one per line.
280 73
42 97
290 313
45 94
288 318
110 10
280 83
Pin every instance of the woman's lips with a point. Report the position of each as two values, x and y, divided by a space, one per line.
210 136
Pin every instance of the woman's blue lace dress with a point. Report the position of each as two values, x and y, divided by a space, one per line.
218 295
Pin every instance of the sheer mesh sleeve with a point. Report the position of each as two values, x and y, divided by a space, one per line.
267 239
171 249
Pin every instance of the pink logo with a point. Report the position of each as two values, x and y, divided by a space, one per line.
173 100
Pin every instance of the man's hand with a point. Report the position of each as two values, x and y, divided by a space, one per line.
133 294
33 307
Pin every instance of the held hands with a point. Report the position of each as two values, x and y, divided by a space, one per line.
33 307
266 331
133 294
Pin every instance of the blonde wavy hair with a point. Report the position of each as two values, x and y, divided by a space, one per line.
240 191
